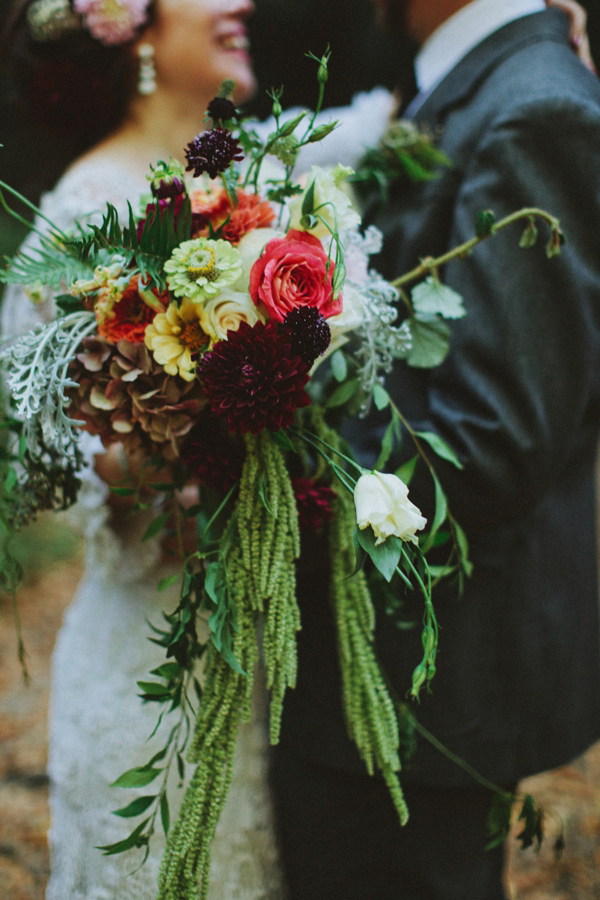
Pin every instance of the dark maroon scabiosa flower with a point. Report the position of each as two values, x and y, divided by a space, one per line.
221 109
212 454
253 380
314 502
309 332
212 152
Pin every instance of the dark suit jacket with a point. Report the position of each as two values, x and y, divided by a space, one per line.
518 683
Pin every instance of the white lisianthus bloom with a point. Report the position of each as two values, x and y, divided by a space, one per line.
381 501
250 248
331 202
225 312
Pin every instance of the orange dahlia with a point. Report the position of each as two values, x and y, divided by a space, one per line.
231 223
132 313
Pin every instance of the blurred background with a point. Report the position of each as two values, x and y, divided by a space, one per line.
31 161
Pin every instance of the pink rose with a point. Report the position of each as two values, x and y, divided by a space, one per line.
294 271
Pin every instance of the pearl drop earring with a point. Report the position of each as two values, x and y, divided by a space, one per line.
147 73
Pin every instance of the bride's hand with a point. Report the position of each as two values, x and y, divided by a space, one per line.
577 30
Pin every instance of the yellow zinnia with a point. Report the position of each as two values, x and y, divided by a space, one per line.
175 337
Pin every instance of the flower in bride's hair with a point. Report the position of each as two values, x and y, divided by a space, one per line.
225 312
212 152
112 21
332 205
381 501
294 271
253 380
132 312
200 268
176 339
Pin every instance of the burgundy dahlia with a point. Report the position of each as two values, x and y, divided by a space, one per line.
310 334
253 380
220 109
212 152
314 502
212 455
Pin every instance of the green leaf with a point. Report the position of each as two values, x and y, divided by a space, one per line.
135 839
343 393
138 777
529 236
386 555
153 688
381 398
431 297
282 439
387 445
440 447
67 303
441 511
430 342
498 822
406 470
164 813
167 581
463 547
339 365
122 492
155 527
308 201
484 223
136 807
167 670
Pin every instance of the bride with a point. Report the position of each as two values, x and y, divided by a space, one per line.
134 80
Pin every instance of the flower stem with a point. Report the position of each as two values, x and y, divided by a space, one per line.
430 264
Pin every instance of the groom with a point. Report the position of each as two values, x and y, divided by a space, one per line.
517 689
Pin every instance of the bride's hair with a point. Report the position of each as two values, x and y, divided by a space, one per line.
73 84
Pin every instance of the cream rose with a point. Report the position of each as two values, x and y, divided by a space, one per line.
250 248
225 312
381 501
328 196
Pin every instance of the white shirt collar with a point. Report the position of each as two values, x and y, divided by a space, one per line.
462 31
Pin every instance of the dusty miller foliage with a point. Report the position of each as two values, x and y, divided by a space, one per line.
380 341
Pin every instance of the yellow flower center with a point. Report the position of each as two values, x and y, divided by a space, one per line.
201 264
193 337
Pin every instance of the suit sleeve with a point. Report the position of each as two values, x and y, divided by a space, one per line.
522 373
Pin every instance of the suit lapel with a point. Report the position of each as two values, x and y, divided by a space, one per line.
464 79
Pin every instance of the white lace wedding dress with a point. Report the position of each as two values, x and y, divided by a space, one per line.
98 725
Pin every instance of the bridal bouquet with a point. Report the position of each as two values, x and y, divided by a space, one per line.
194 336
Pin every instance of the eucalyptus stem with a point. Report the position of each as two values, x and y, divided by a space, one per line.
430 264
